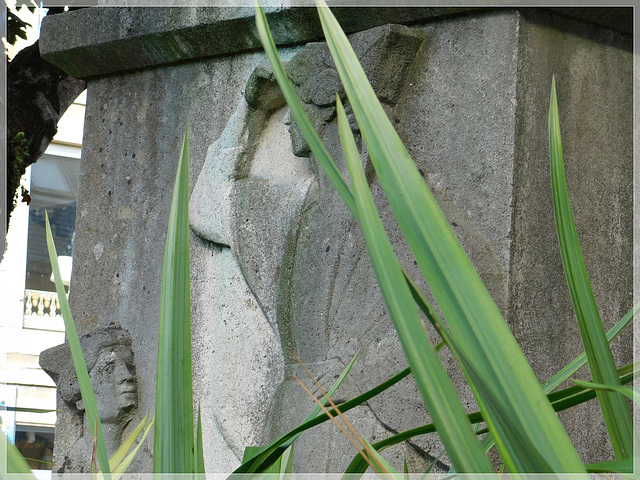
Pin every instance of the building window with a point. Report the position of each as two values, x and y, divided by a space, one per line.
54 189
36 446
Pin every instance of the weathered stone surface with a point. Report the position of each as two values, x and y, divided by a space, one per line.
278 263
594 80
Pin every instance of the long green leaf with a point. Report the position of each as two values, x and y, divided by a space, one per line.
261 457
529 435
313 140
433 382
173 450
319 151
616 466
278 470
88 398
199 447
616 413
575 395
633 393
560 400
120 468
383 468
29 410
575 365
124 448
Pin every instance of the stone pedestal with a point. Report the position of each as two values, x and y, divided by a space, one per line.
278 263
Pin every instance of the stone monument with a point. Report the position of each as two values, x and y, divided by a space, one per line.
278 263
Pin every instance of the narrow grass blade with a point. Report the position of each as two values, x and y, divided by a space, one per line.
560 400
121 467
430 468
280 469
123 449
27 410
362 446
434 384
378 459
633 393
614 408
574 365
199 447
529 435
94 457
571 396
313 140
316 420
581 360
616 466
319 151
173 450
89 400
287 461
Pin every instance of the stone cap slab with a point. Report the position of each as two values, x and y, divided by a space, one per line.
106 40
103 41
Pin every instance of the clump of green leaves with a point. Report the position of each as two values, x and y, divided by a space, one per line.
21 148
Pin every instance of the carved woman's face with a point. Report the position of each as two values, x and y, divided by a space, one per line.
114 384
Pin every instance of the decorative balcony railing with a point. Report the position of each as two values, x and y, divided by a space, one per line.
42 311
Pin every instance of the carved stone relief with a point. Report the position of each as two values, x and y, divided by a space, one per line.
110 363
261 195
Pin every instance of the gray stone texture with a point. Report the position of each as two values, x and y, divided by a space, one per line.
267 275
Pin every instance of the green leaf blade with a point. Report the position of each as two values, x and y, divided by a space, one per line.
581 359
509 386
12 462
614 408
433 382
632 393
122 466
173 434
199 447
259 459
86 390
117 458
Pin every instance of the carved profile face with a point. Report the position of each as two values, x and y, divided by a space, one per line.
110 363
113 380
